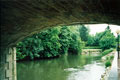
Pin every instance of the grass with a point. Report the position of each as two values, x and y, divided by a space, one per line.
106 52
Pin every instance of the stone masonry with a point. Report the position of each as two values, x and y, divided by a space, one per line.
8 67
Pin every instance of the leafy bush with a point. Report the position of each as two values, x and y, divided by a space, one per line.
76 45
50 43
43 44
111 57
107 63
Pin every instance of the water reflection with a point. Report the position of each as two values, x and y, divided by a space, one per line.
72 67
90 72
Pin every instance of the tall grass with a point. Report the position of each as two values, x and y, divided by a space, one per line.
106 52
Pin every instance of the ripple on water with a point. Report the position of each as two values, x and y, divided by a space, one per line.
90 72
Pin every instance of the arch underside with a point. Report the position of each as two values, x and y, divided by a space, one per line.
20 18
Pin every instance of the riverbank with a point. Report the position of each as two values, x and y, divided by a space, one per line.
111 71
40 58
89 51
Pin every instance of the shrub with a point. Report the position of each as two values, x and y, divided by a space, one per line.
50 43
107 63
111 57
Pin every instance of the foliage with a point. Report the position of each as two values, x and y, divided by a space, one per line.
107 63
106 52
111 57
97 37
90 41
76 44
105 39
50 43
65 37
108 40
84 33
44 44
24 48
70 40
63 40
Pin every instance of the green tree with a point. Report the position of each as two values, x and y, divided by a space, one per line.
108 40
65 37
50 43
84 33
76 44
91 41
43 44
98 36
29 47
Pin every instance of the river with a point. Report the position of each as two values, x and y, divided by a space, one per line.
71 67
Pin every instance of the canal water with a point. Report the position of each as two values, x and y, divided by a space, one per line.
67 67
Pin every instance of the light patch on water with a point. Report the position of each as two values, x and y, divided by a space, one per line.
90 72
70 69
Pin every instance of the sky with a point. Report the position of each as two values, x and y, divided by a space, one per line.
94 28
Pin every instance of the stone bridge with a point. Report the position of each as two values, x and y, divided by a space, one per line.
22 18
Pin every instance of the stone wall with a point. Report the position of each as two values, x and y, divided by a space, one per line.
8 64
91 51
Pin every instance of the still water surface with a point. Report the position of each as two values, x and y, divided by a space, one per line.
71 67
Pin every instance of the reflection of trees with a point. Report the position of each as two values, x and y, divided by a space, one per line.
43 70
49 69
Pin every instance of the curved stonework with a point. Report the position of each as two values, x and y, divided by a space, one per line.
20 18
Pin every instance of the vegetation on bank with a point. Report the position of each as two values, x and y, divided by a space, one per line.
50 43
108 61
105 40
63 40
106 52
